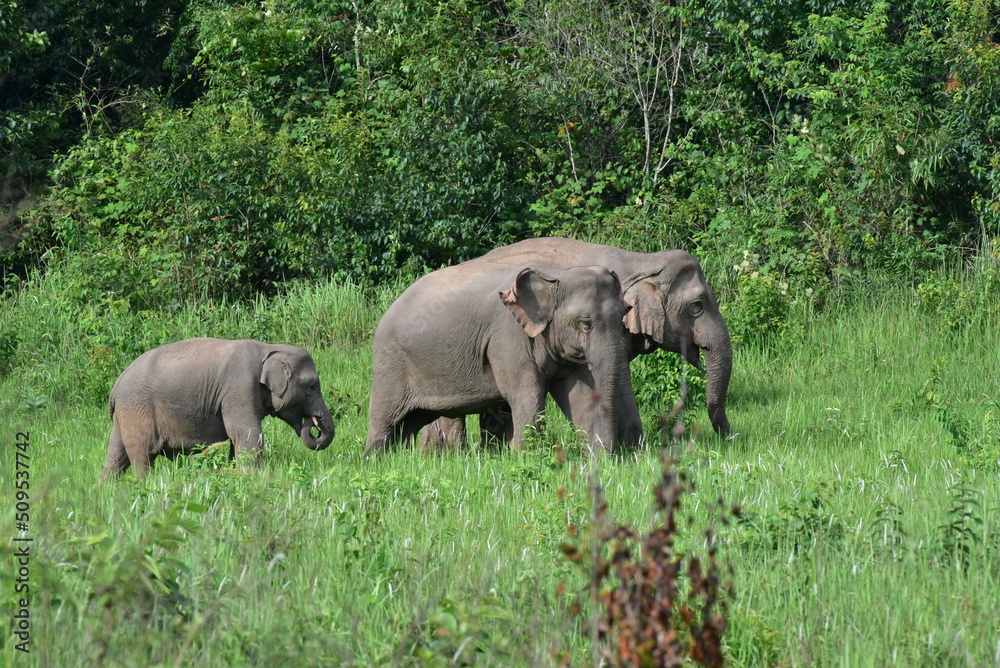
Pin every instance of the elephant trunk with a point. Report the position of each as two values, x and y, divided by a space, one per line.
610 377
321 421
719 368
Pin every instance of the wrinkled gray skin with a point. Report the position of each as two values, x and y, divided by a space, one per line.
475 336
673 308
201 391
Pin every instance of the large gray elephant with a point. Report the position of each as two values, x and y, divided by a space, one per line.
477 335
200 391
674 308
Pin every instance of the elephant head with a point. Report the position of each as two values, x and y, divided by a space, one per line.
674 308
578 319
290 377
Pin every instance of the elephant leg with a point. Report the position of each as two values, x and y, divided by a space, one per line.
526 410
378 439
496 429
141 443
580 403
248 439
576 398
444 434
381 429
384 432
388 409
117 461
414 422
629 421
496 426
141 461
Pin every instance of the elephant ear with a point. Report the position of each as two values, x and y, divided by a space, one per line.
648 315
621 290
275 374
532 300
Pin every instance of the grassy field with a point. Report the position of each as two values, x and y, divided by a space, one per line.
865 461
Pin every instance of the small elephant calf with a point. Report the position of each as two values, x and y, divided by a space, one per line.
199 391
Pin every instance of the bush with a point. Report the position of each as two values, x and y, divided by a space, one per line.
765 305
957 304
652 610
291 168
664 383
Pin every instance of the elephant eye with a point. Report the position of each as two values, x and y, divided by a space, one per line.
586 326
696 308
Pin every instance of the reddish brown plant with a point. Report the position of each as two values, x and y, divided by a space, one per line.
651 612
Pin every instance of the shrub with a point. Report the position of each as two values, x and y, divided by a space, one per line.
652 610
663 381
766 305
957 304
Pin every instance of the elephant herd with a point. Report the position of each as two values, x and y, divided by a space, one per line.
491 336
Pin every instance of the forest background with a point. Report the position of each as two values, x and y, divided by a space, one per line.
158 152
283 169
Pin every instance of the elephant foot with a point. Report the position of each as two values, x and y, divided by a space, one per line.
443 435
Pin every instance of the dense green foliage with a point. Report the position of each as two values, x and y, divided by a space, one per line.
209 149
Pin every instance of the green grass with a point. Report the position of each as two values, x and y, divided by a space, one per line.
864 462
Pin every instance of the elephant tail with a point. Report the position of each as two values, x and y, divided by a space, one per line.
111 406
